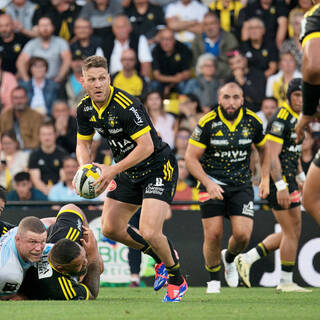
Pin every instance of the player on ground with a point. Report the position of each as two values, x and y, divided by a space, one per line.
284 197
145 171
218 155
310 37
20 248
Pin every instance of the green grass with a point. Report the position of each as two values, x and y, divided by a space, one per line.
143 303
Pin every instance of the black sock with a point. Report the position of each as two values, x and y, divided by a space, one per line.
173 254
287 266
214 272
230 256
262 250
146 247
175 276
311 96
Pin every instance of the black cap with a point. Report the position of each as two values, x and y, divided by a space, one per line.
78 55
294 85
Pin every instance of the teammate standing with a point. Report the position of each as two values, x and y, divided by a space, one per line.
310 37
218 155
284 197
145 171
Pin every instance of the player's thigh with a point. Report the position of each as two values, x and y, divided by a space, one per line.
311 188
241 226
212 228
289 220
311 61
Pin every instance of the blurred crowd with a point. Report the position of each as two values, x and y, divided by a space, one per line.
173 55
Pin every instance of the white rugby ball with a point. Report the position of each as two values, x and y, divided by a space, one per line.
84 178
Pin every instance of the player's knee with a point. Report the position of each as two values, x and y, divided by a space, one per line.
110 231
214 237
149 234
242 237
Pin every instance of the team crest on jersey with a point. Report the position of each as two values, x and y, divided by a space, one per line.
196 134
111 121
56 162
245 132
277 128
17 47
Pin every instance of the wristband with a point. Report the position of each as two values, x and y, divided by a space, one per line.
280 185
301 176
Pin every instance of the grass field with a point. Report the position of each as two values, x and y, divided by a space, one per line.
143 303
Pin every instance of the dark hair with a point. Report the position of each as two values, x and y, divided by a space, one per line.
95 62
22 176
270 98
3 193
10 134
64 251
19 88
34 60
66 158
32 224
193 98
47 123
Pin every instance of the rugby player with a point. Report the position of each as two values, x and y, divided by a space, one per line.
4 226
284 197
310 37
145 172
218 155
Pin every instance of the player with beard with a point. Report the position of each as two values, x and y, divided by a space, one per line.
218 155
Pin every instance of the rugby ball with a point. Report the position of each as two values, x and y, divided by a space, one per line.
83 180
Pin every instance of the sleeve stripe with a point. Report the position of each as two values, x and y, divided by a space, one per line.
71 288
140 133
66 287
63 290
76 236
73 211
254 115
197 144
68 234
121 94
84 137
275 139
121 104
262 142
73 234
87 290
125 101
310 36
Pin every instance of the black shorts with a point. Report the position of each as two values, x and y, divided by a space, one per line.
310 25
316 159
272 198
237 201
68 226
159 184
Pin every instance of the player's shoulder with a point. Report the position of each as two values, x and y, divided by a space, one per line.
123 99
85 102
252 115
314 11
207 118
282 114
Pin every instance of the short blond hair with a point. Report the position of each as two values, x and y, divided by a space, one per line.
95 62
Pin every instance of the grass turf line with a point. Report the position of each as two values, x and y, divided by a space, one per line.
144 303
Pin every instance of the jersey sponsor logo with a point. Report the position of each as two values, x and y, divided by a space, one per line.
219 133
44 269
196 134
234 155
154 189
89 108
219 142
138 121
159 182
277 128
124 145
115 131
10 287
295 149
216 124
112 186
293 135
248 210
100 130
93 119
245 141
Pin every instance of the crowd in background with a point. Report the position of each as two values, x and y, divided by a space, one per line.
173 55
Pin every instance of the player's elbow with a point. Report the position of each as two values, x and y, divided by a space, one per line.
148 149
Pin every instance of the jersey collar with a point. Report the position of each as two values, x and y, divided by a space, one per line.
103 108
285 105
231 126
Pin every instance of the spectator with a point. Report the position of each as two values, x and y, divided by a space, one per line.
181 142
63 190
13 160
23 189
71 89
22 13
273 13
41 92
63 14
260 52
11 43
269 106
184 17
22 119
52 48
101 14
277 84
66 126
146 19
309 149
7 83
128 79
46 161
293 44
251 80
123 38
215 41
86 44
163 122
171 64
205 85
184 192
228 12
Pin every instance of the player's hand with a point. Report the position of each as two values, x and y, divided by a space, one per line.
89 243
264 188
215 191
283 198
106 176
303 123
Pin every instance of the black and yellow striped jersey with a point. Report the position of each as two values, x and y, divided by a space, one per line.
121 120
281 129
44 282
310 24
228 146
5 227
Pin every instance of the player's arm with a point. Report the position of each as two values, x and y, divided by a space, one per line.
142 150
264 155
192 158
83 150
301 176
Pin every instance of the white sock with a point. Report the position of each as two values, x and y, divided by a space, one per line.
286 277
135 279
252 256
